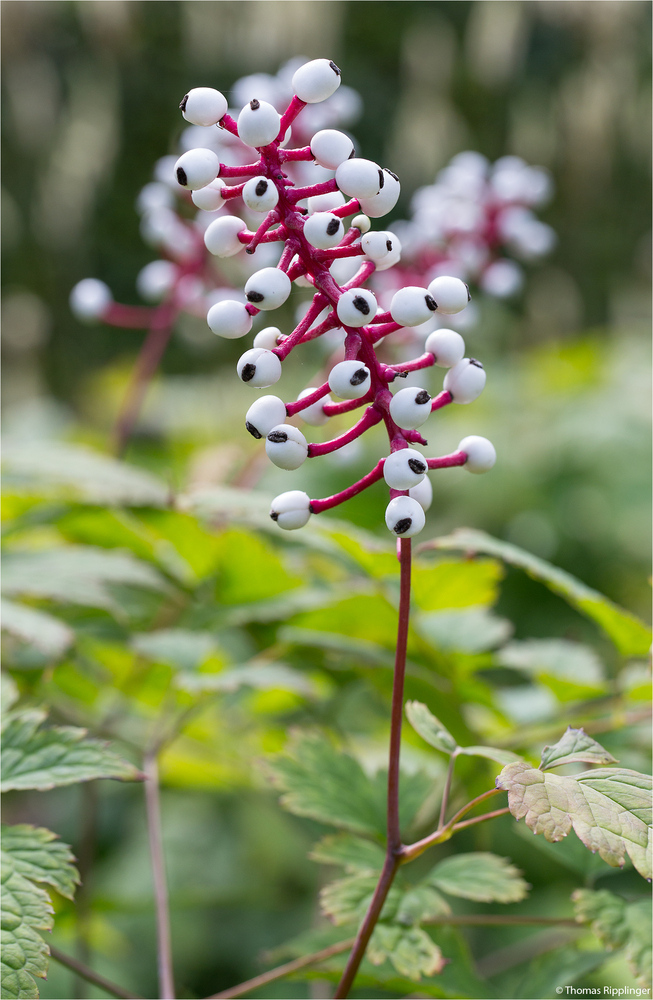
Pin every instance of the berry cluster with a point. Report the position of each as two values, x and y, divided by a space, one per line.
473 215
308 220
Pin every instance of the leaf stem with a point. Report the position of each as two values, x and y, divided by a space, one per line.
283 970
153 809
412 851
446 790
394 848
84 972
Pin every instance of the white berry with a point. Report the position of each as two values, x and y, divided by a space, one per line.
291 510
412 306
314 414
362 223
405 516
259 368
446 346
331 148
264 414
356 307
260 194
286 446
451 294
404 469
197 168
350 379
204 106
89 298
221 237
410 407
359 178
156 279
325 202
229 319
209 198
323 230
316 80
268 338
465 381
378 245
258 123
423 493
268 288
380 204
481 455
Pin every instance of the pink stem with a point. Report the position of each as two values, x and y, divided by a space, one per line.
383 329
232 192
369 419
341 251
447 461
317 506
229 125
349 208
442 399
246 170
289 116
308 400
288 155
335 409
293 339
133 317
424 361
323 187
363 273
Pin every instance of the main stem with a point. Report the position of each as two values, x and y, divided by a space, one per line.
163 940
394 846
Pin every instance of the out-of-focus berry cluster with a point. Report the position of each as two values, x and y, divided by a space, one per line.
307 220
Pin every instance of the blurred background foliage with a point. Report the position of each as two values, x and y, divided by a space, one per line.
90 92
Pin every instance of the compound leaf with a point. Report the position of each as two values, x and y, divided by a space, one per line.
421 903
429 728
608 808
35 757
575 746
628 633
354 853
619 924
411 951
485 877
346 901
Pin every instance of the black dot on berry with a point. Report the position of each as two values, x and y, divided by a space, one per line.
388 245
255 105
181 176
430 302
334 67
248 372
253 430
417 466
381 179
274 515
392 174
261 188
422 397
277 437
469 294
352 155
359 377
473 361
255 297
402 526
332 227
361 304
183 102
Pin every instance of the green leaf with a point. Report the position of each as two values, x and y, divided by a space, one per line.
36 854
569 661
34 757
179 647
575 747
619 924
485 877
49 635
491 753
608 808
354 853
629 634
264 676
330 786
352 648
464 630
9 691
327 785
456 584
346 901
73 472
548 973
76 574
411 951
430 728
